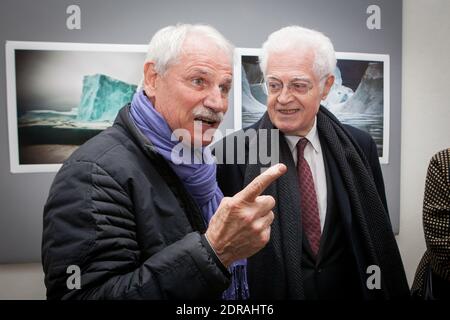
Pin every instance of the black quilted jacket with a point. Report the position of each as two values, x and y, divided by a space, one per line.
118 212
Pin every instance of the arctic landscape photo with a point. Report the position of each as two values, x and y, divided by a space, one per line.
357 98
64 98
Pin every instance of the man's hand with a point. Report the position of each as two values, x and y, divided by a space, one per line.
241 225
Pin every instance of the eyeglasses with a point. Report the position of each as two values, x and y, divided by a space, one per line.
298 86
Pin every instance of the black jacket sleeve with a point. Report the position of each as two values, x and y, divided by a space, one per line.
89 222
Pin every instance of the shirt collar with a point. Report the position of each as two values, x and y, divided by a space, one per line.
312 136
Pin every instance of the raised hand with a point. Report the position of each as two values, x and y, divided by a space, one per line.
241 225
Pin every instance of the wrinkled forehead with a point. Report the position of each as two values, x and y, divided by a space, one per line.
291 63
201 45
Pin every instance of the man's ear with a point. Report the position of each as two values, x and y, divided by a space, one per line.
150 77
327 87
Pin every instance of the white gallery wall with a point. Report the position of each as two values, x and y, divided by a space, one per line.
425 113
22 282
425 130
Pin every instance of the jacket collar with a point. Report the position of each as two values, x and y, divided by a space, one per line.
124 121
193 213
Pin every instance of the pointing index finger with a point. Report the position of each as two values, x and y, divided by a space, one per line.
261 182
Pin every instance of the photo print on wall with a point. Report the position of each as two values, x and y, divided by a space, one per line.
62 94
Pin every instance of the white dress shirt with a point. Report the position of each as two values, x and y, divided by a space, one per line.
314 156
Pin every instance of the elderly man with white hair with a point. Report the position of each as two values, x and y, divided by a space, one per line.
132 221
331 237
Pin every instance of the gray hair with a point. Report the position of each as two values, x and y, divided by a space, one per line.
166 45
299 38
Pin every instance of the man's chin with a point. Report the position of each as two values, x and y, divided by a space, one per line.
201 141
290 129
204 141
285 128
205 137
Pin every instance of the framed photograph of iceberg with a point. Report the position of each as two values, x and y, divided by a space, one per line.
359 96
62 94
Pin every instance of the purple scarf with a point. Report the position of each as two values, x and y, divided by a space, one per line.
198 179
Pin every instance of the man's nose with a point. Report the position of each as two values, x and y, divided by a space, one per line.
215 101
285 95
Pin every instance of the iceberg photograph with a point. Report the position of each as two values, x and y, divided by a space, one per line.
359 96
65 97
253 94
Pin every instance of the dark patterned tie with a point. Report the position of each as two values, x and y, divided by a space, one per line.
308 203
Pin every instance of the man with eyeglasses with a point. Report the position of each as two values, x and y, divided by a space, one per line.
331 237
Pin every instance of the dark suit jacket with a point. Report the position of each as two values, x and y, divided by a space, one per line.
275 271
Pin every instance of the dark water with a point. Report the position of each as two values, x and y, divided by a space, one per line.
41 144
371 123
33 135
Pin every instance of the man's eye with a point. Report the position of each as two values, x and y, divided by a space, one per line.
198 81
274 86
225 89
300 85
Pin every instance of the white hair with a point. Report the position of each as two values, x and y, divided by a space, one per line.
296 38
166 45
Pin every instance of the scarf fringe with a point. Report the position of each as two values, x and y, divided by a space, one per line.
238 290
